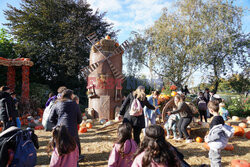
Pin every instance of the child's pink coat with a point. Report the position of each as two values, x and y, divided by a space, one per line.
138 162
115 158
65 160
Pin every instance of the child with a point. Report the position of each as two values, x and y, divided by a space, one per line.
123 150
218 135
171 124
65 150
150 115
155 151
223 111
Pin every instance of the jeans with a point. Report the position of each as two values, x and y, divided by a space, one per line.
152 120
182 126
203 113
173 128
215 158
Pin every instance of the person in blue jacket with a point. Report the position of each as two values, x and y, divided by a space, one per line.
150 115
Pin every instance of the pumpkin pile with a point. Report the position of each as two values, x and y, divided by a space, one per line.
84 126
162 98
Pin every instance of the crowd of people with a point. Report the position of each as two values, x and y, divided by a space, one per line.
137 112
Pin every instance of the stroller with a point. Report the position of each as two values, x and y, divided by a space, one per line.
17 147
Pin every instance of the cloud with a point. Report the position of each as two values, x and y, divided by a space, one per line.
130 15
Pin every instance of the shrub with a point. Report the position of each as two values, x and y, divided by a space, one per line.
239 106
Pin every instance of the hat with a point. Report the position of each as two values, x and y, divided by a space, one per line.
5 88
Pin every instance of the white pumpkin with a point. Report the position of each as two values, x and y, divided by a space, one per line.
248 122
243 125
235 118
248 118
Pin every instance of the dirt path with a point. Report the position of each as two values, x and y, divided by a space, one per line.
96 149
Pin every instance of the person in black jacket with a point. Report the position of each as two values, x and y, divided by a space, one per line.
137 122
66 112
7 108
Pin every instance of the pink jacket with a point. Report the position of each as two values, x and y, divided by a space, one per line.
115 158
65 160
138 162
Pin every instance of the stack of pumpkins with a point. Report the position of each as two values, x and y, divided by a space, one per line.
84 126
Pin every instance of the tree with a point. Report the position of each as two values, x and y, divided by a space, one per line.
239 82
6 51
53 34
226 43
172 47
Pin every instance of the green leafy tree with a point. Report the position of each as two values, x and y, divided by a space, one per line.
239 82
6 51
53 34
226 43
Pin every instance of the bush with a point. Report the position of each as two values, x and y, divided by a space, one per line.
239 106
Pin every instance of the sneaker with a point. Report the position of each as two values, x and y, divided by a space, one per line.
168 137
175 138
188 140
179 139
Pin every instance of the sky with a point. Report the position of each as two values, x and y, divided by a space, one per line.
133 15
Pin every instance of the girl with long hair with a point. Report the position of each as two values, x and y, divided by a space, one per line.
185 117
123 150
65 151
155 151
137 121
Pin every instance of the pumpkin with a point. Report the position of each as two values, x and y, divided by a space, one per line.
38 127
206 146
239 163
248 118
174 93
89 125
229 147
243 125
235 118
247 135
238 131
83 129
116 44
198 139
1 128
107 37
248 122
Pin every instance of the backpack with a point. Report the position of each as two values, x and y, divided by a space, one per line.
202 105
45 122
136 108
25 153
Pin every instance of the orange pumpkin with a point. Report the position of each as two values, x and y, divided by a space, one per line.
116 44
107 37
243 125
40 119
83 130
1 128
174 93
83 125
239 163
238 131
229 147
206 146
247 135
198 139
89 125
38 127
